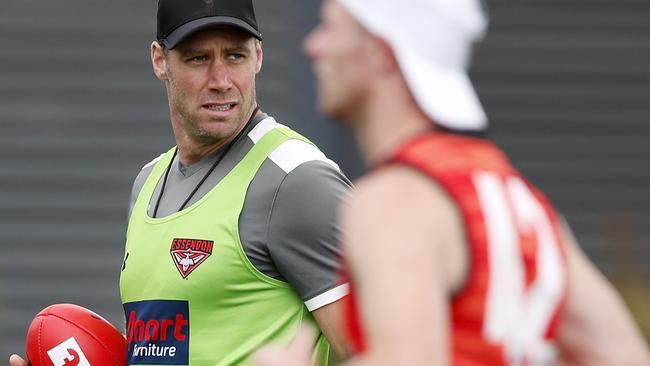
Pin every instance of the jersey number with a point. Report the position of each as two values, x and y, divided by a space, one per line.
521 299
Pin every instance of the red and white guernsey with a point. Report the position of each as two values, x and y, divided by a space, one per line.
508 310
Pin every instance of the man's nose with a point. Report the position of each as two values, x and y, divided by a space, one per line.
219 77
309 44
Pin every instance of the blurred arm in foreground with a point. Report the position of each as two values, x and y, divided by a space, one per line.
596 329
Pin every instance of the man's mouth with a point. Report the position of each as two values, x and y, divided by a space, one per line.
219 107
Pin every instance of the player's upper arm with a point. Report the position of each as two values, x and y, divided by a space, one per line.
395 230
596 328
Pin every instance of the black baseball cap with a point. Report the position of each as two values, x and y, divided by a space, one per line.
177 19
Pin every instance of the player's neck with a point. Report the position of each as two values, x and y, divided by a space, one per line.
388 122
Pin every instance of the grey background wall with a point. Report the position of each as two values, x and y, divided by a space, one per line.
566 84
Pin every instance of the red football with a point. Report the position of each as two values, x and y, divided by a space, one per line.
68 335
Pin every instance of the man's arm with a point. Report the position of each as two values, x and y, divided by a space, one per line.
396 230
596 328
330 321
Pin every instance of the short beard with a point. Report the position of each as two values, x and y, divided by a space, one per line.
188 119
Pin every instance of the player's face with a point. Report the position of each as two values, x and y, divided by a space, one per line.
337 50
210 79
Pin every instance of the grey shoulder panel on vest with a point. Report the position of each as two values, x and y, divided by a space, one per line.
288 225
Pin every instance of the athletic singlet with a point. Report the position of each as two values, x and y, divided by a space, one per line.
508 309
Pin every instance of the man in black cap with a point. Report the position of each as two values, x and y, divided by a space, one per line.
232 236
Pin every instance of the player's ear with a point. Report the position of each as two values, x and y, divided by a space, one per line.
159 61
260 55
382 56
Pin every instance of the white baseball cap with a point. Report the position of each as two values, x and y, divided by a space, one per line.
432 41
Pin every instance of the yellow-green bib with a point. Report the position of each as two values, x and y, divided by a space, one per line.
190 294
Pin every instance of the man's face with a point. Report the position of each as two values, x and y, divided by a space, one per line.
210 80
337 50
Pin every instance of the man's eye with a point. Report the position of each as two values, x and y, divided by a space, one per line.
236 56
201 58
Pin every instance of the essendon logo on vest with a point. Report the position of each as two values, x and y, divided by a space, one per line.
157 332
189 254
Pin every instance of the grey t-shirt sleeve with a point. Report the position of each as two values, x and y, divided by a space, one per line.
303 237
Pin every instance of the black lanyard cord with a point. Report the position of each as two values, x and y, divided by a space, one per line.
205 177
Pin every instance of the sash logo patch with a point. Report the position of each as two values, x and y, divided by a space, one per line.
188 254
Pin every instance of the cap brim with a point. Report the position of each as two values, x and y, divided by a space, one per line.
182 32
446 95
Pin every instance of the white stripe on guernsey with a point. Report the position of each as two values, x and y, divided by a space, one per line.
154 161
292 153
328 297
263 127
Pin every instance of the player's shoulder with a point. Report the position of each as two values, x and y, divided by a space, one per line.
140 180
146 170
148 166
412 210
397 191
396 185
143 175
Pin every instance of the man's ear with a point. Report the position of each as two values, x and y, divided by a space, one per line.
382 55
260 55
159 61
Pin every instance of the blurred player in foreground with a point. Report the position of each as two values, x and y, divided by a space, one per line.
454 257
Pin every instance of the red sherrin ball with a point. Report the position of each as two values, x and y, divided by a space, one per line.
70 335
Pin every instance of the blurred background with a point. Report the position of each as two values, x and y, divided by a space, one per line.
566 84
